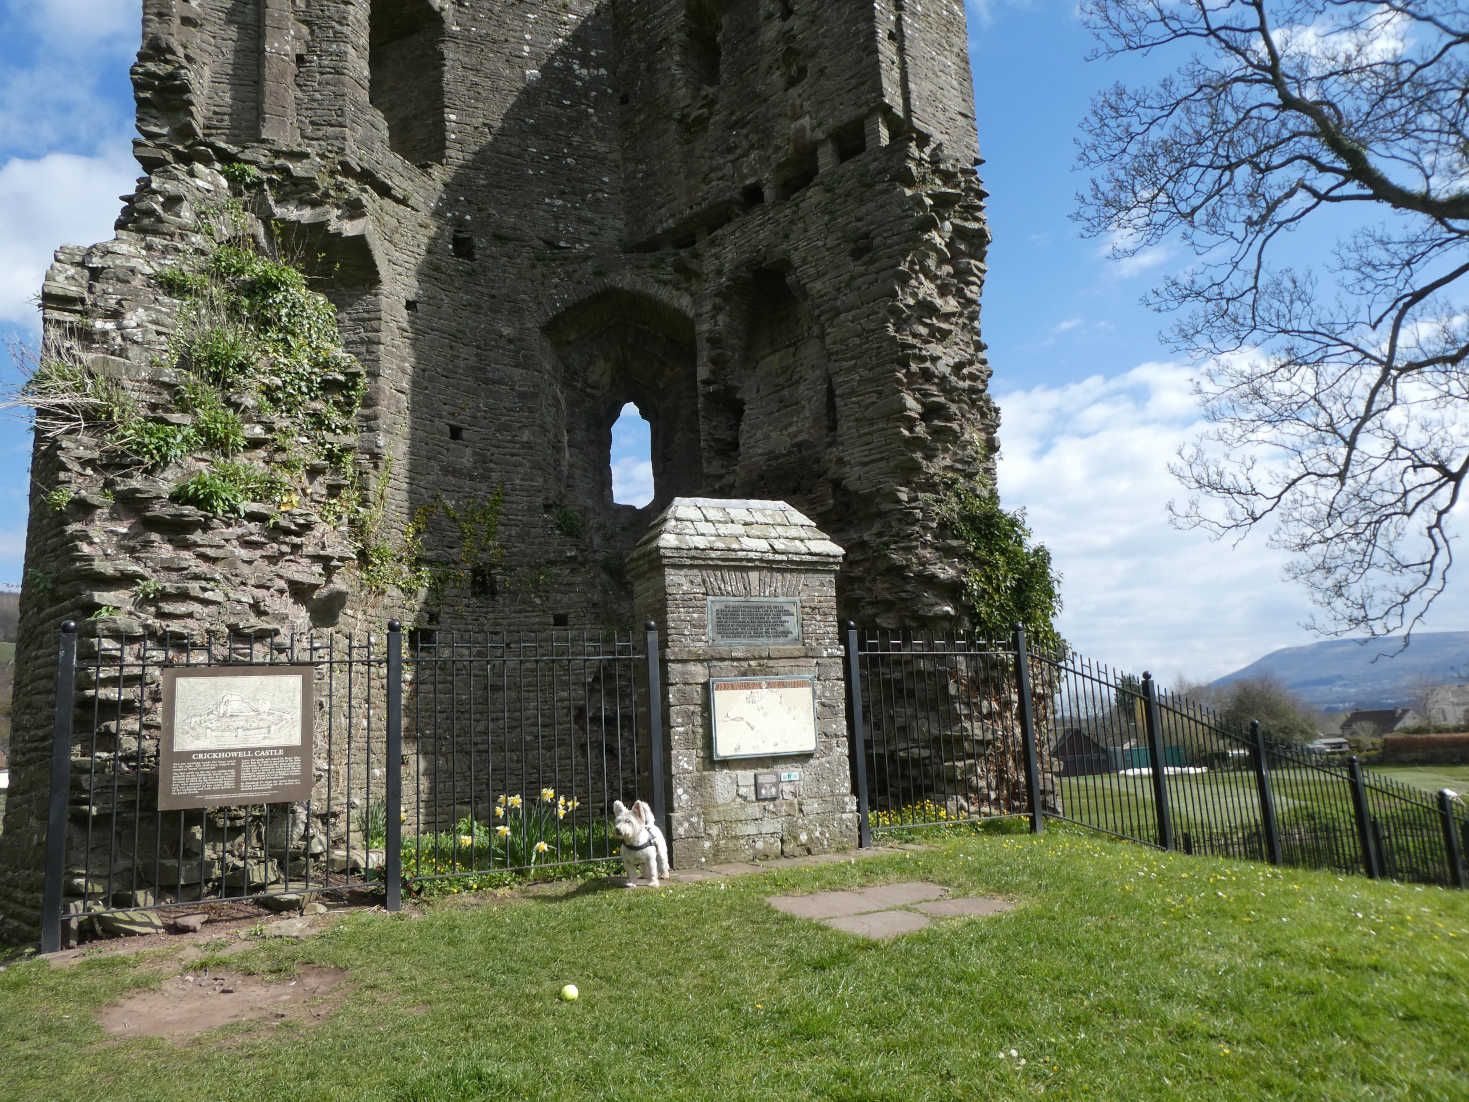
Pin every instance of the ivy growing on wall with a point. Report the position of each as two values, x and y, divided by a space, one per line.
1008 579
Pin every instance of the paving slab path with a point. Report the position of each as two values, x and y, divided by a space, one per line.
886 910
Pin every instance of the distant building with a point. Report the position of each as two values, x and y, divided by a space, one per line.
1078 754
1448 706
1374 722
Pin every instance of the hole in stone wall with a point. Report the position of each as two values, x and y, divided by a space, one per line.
406 81
625 357
752 195
631 458
462 245
456 432
787 9
850 140
482 582
560 619
410 305
798 174
793 65
789 404
703 26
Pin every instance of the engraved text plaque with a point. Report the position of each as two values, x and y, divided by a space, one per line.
754 621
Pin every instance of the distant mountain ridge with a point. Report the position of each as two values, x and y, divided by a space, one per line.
1340 675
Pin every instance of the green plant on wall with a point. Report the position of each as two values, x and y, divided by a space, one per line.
1008 579
388 561
252 341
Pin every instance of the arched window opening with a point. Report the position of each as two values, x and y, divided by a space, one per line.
631 458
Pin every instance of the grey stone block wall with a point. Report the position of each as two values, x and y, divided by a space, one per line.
765 230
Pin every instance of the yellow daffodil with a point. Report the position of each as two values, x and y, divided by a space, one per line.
561 813
541 847
501 801
466 839
548 794
499 813
502 831
515 801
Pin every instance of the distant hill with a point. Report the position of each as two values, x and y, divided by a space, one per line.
1342 674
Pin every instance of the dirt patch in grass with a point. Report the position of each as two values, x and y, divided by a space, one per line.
185 1006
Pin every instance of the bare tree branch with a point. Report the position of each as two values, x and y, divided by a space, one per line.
1337 395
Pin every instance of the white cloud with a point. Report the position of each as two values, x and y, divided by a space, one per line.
62 68
632 482
76 116
1088 461
77 26
1326 47
49 201
1118 246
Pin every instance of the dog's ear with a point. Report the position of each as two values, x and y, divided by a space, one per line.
643 812
618 808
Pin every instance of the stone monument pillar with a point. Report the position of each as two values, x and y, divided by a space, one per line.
744 596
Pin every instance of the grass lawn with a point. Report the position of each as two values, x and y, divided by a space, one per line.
1430 777
1124 973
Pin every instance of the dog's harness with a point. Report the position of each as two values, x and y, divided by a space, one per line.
649 844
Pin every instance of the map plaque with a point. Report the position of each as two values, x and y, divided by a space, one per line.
235 735
754 621
760 717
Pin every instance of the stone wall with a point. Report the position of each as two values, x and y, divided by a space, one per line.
757 219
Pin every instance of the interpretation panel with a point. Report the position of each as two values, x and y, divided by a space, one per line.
759 717
235 735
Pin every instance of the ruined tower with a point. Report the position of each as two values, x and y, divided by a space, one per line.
759 220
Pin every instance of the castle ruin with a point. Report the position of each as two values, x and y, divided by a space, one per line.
758 220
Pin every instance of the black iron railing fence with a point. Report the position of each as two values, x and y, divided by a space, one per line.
457 755
440 755
959 728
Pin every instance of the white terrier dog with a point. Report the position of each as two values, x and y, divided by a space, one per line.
643 844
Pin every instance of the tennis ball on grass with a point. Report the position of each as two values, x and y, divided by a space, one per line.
569 993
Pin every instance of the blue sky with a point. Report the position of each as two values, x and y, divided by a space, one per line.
1093 405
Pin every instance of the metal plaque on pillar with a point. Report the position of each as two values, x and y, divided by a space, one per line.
754 621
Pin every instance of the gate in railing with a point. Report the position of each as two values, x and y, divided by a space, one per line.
464 755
